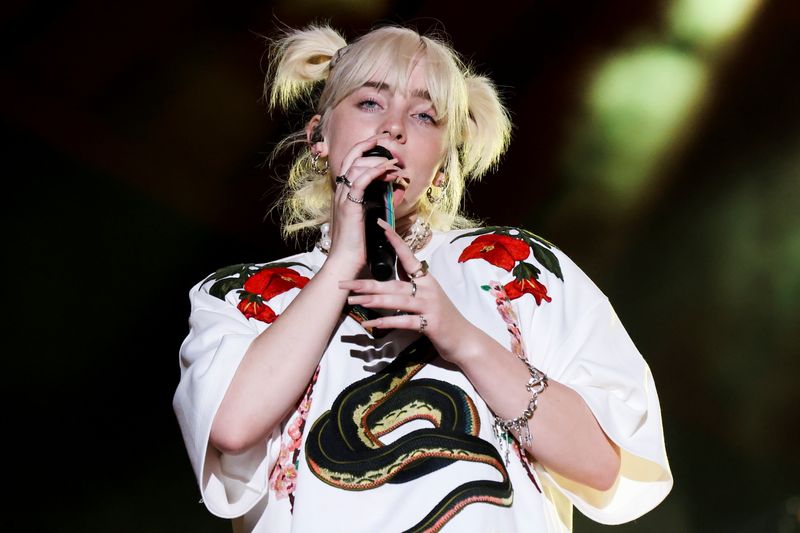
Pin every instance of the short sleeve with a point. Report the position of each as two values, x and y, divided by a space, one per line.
598 359
218 339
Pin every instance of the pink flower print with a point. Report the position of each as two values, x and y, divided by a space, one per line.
278 482
283 479
304 406
289 479
508 315
295 432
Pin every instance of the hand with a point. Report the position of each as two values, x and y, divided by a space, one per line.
347 216
444 325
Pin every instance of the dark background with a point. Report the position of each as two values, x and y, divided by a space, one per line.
663 158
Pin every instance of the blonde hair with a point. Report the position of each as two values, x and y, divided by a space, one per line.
317 60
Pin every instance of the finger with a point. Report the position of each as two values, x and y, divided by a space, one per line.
371 286
359 184
359 148
365 176
410 322
405 303
404 254
369 162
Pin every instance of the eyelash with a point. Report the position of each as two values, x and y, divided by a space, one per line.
428 119
369 105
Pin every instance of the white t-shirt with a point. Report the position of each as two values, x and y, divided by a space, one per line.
397 470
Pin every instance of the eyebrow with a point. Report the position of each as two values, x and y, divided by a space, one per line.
383 86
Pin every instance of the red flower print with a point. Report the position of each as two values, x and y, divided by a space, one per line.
265 285
518 287
500 250
271 282
258 310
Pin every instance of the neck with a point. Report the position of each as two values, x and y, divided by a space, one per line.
403 224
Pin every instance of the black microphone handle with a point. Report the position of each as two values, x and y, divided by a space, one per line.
381 257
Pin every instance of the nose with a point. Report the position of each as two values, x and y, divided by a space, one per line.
394 126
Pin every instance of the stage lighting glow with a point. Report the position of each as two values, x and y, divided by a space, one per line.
709 24
642 101
638 103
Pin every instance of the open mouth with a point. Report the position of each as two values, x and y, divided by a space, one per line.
398 194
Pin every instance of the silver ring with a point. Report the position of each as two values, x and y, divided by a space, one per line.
423 323
413 288
343 179
355 200
421 271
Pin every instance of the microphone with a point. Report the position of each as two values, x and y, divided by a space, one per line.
378 204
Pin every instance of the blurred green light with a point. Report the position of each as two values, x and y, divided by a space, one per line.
710 23
638 103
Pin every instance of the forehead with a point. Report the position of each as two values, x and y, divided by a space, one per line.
404 62
415 84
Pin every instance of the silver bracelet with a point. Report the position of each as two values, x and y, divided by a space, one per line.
536 384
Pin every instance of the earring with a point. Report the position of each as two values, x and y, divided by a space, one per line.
321 171
435 199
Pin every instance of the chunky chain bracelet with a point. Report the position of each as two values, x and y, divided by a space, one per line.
536 384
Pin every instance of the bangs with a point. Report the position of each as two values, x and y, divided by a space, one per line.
389 55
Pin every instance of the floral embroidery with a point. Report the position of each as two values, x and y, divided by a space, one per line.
505 247
500 250
252 306
509 316
515 289
265 285
256 286
283 479
503 303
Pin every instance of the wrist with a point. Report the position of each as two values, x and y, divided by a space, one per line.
468 346
341 267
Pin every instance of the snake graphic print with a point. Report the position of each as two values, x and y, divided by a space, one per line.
344 449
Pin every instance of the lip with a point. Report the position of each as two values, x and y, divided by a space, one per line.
400 162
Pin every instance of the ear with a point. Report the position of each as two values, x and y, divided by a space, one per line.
315 138
440 180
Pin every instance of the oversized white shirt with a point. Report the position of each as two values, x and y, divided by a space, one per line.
518 289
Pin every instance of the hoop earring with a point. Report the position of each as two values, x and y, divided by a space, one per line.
435 200
321 171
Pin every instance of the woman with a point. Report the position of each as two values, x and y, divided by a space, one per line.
488 388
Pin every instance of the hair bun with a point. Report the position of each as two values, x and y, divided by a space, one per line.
489 128
300 59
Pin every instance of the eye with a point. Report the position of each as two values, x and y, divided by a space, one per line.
368 104
426 117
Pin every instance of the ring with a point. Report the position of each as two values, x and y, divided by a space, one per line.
413 288
355 200
423 322
421 271
343 179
